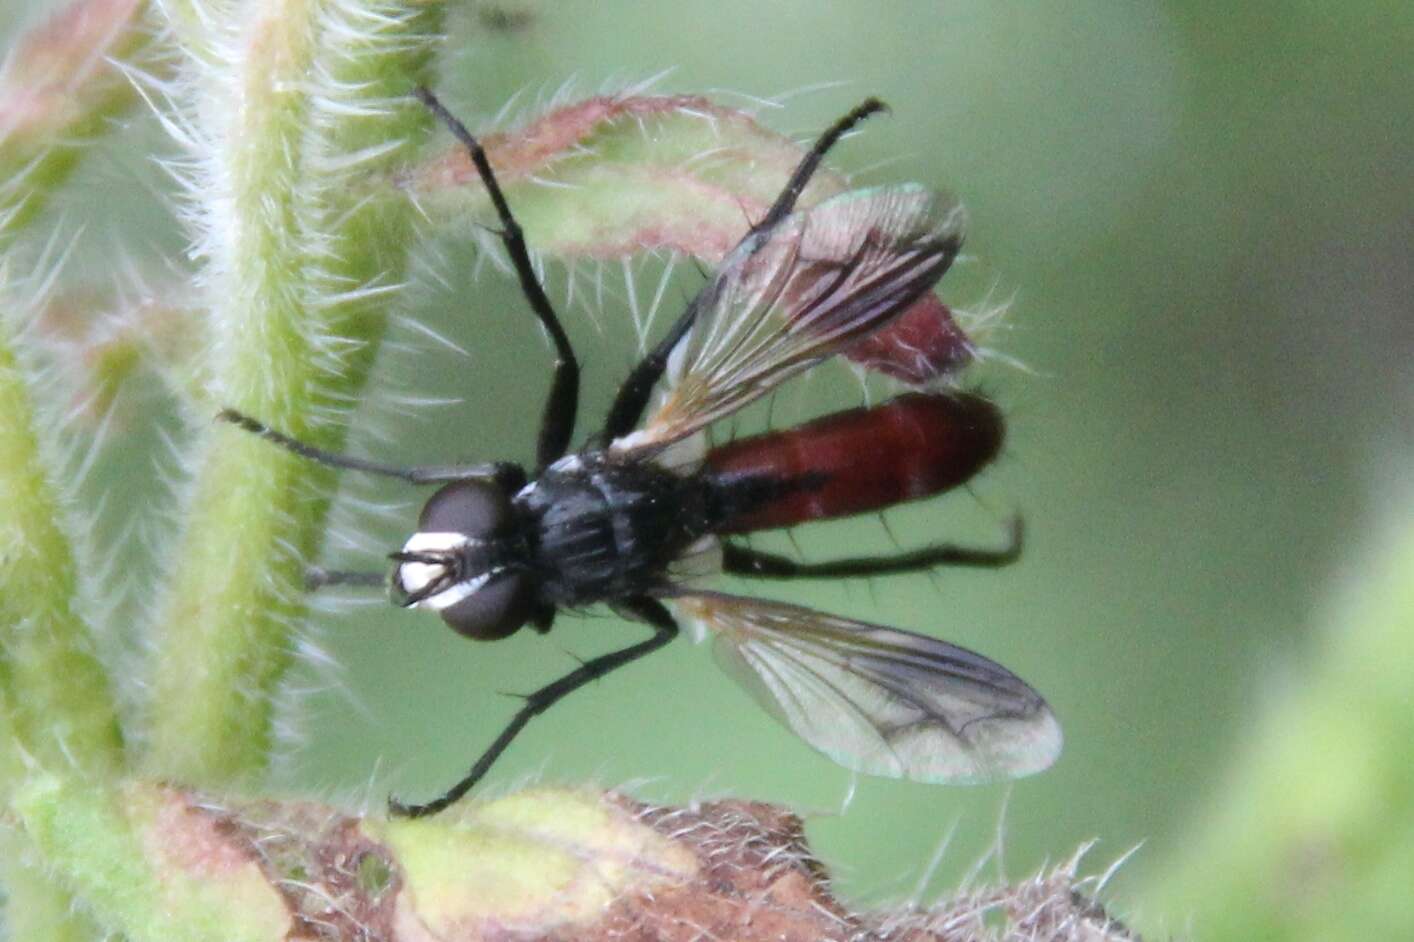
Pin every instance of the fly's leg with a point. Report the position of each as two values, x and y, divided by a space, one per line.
316 577
502 472
747 562
804 170
647 610
633 395
557 420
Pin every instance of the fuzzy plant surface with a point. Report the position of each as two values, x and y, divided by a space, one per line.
549 864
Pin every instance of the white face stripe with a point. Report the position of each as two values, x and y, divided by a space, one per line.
414 577
454 593
433 541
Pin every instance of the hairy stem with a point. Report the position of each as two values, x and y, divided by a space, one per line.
61 86
56 706
53 691
302 251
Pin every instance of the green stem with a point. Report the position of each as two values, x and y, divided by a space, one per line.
55 703
53 692
303 245
59 88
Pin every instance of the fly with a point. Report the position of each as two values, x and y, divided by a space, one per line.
632 519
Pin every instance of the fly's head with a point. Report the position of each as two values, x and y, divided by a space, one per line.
462 562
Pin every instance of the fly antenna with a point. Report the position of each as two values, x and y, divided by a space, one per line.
507 474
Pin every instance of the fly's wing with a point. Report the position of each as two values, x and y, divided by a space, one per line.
878 700
789 297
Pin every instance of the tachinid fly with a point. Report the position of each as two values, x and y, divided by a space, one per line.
627 519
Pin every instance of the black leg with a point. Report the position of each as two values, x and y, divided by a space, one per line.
747 562
644 609
633 395
504 472
316 578
557 421
811 162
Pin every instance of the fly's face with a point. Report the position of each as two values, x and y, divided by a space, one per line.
461 562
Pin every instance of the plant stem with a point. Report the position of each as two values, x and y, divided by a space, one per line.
303 247
55 703
54 694
60 87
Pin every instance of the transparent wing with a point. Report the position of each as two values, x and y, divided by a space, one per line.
879 700
785 299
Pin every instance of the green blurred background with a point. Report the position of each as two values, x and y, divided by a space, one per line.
1202 215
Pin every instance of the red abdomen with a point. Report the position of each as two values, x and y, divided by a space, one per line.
859 460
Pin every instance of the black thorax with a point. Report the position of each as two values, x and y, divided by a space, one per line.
601 529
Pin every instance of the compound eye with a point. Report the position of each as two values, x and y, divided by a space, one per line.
493 611
473 508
